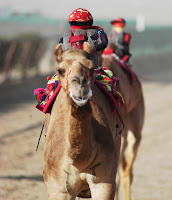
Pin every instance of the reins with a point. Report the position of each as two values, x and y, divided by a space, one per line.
40 134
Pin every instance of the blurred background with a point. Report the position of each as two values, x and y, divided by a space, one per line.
29 31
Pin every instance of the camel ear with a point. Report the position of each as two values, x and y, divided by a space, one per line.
88 48
58 52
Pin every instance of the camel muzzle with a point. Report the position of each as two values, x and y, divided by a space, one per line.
79 100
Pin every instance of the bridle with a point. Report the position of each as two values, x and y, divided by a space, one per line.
69 72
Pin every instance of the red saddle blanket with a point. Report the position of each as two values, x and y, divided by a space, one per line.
103 78
126 67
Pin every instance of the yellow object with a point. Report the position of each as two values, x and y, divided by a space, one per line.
119 29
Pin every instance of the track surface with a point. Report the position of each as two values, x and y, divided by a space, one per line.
20 124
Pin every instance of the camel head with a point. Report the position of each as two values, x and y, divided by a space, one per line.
75 71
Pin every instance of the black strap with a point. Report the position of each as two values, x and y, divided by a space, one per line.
40 135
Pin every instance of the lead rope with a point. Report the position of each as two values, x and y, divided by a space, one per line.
40 135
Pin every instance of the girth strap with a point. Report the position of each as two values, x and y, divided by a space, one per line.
74 39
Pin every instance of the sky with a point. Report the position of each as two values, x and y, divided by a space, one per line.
153 11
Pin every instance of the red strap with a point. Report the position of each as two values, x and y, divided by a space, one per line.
73 39
125 58
76 38
108 51
81 27
127 38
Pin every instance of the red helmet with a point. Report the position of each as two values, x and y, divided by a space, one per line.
118 22
80 15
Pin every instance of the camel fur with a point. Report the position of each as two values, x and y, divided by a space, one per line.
83 143
133 96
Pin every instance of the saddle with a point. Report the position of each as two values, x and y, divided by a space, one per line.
104 79
126 67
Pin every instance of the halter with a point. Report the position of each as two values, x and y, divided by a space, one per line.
67 84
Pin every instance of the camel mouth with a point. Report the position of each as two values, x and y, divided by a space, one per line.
79 100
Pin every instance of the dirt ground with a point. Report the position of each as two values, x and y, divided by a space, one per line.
20 125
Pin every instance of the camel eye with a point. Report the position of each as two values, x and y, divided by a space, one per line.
61 71
74 80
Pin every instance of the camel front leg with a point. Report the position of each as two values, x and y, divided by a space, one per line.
126 164
57 191
105 191
60 197
55 194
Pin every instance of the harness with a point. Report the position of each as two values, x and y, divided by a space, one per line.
76 37
77 40
121 40
69 75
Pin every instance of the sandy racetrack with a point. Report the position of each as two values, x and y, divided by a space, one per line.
20 125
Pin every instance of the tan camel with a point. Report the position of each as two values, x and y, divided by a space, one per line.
135 108
83 143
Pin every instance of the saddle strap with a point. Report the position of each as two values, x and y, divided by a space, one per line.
74 39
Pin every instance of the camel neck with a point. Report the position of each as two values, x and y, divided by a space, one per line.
80 135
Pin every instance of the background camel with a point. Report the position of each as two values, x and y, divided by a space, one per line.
132 92
83 142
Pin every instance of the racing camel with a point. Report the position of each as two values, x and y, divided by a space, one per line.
133 95
83 140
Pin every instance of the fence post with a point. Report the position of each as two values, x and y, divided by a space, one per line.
38 53
25 52
8 58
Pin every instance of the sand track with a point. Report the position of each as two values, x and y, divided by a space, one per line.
21 166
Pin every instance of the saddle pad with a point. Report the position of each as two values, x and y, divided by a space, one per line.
103 78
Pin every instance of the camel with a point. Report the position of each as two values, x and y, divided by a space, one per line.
83 139
133 96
